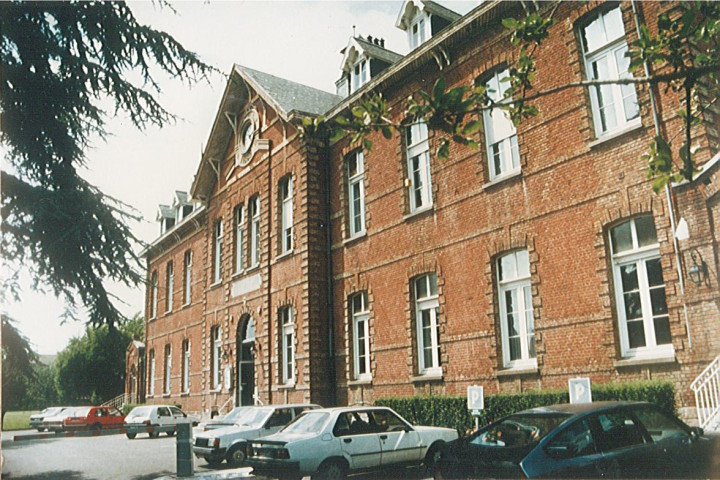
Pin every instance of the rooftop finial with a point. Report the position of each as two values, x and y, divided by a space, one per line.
353 31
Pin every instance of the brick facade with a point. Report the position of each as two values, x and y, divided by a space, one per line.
571 190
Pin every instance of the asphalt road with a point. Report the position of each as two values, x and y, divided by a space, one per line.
108 457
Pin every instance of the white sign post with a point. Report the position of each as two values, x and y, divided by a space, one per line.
476 402
580 391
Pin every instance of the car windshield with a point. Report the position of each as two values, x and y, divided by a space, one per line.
81 412
518 430
308 422
236 414
254 417
140 412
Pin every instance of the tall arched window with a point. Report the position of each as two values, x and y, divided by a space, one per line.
517 325
643 320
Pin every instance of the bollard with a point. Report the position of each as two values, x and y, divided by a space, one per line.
185 466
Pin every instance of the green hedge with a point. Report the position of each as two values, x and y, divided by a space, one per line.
451 411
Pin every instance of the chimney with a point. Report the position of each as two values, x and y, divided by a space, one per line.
370 39
382 42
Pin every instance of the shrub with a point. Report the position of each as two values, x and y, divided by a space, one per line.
452 411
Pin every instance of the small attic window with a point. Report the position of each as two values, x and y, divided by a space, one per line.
360 74
187 210
167 224
419 30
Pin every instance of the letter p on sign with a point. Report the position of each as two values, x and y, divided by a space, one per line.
476 400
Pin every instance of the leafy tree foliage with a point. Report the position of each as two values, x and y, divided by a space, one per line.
92 368
18 366
63 64
684 54
41 391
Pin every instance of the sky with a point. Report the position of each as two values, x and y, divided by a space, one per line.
297 40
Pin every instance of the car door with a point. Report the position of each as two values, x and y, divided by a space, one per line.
399 442
674 453
359 442
625 448
164 416
572 453
177 415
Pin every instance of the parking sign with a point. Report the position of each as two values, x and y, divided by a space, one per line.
476 400
580 391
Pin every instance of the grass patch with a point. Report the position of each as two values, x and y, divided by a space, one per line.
17 420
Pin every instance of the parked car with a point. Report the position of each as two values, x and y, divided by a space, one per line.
54 423
231 418
36 419
94 418
591 440
230 443
159 417
333 442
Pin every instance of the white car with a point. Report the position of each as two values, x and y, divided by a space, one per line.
162 418
232 418
230 443
333 442
36 420
54 423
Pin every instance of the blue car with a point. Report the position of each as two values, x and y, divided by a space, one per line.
592 440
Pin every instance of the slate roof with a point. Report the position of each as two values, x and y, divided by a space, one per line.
290 96
165 211
377 51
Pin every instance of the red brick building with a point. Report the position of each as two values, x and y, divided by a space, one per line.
330 273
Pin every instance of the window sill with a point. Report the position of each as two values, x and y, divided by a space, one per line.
185 394
166 395
251 269
286 386
630 127
419 213
215 285
354 239
502 179
512 372
152 319
215 390
185 305
642 361
361 381
430 377
284 255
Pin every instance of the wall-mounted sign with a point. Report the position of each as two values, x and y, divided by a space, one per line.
580 391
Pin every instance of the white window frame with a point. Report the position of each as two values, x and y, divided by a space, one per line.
239 238
639 256
360 74
286 215
168 369
503 154
419 30
153 294
429 304
187 277
151 362
287 345
216 353
610 51
254 213
170 285
516 282
356 193
186 366
360 314
217 251
418 167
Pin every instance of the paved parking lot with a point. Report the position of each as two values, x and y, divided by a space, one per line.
108 457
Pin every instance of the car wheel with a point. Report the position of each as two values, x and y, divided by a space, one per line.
236 455
213 461
40 429
154 434
331 470
171 433
130 435
432 456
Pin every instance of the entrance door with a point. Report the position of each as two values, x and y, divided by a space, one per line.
246 362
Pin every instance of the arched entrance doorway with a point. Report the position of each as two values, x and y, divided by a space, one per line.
245 362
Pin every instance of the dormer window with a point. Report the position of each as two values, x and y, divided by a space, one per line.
360 74
419 30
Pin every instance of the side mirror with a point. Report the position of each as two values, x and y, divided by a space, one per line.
696 432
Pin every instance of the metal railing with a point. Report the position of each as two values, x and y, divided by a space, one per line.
707 393
118 402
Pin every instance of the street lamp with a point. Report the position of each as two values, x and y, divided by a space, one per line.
698 271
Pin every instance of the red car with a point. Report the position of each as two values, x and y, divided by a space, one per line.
94 418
